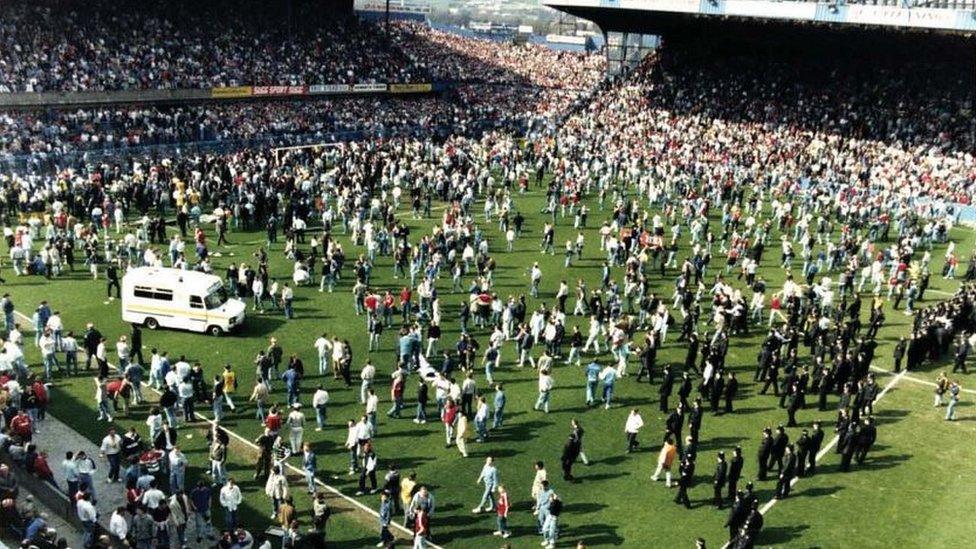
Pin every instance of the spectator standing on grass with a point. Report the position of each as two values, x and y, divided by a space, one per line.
501 508
954 391
320 401
545 391
632 427
385 518
550 529
230 500
177 469
259 396
665 460
488 477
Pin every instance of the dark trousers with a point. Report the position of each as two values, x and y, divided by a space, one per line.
567 470
783 486
362 480
113 466
632 442
682 496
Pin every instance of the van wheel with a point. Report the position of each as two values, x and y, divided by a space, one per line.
215 331
151 323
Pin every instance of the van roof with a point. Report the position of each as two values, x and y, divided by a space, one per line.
166 276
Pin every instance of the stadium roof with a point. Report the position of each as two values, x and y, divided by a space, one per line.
651 16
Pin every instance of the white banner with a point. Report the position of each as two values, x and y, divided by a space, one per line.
780 10
369 87
329 88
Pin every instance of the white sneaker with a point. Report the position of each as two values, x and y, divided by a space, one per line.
476 510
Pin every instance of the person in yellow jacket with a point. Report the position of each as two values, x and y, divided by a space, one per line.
664 461
230 385
407 486
463 433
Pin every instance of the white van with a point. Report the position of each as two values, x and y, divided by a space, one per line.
173 298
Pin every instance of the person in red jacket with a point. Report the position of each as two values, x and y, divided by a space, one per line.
20 425
405 305
273 421
42 468
448 416
396 394
40 391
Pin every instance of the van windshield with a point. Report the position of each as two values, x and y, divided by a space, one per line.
216 298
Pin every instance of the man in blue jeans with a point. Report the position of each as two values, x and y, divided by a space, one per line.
592 378
500 399
488 477
386 517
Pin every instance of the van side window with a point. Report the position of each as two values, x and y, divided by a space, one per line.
146 292
196 302
143 292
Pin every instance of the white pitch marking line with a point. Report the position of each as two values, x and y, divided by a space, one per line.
917 379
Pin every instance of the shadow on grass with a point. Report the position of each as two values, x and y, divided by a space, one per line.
780 534
817 492
595 535
887 416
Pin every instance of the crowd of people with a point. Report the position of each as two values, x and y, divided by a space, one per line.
116 129
494 85
167 45
450 56
691 187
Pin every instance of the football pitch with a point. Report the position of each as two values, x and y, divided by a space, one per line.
916 488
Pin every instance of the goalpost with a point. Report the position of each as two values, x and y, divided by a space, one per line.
278 151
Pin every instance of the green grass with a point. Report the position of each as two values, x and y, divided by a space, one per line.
614 502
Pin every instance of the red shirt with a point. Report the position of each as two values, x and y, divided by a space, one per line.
450 412
41 392
41 468
21 425
273 422
501 505
113 387
405 296
421 524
